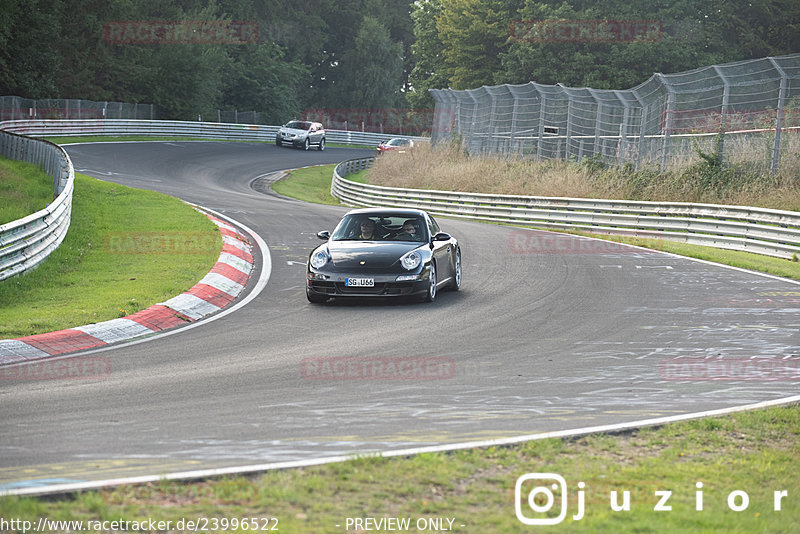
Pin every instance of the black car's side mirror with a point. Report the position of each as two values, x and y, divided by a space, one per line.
442 236
324 235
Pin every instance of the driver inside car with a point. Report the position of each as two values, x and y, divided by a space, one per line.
368 230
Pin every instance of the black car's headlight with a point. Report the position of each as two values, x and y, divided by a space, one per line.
319 258
411 260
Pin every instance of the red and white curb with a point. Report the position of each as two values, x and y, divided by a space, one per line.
218 289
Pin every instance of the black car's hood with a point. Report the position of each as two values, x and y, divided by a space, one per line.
374 255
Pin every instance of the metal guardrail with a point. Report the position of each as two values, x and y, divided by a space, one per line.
202 130
759 230
26 242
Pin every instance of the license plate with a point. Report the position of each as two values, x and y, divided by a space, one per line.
359 282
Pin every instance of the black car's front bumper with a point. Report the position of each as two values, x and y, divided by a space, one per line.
333 285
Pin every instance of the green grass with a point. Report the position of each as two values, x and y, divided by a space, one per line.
113 262
312 184
24 189
755 452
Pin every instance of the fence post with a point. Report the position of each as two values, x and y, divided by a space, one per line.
492 140
598 147
726 91
569 122
623 129
514 121
668 126
542 107
776 150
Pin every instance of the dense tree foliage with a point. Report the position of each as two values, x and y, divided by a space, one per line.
366 54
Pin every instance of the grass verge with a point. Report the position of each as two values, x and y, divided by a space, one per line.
752 452
126 249
24 189
312 184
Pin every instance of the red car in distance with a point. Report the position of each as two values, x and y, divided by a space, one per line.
399 144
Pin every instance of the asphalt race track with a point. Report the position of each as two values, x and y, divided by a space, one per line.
545 335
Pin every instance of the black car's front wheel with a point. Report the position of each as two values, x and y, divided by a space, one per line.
430 294
455 284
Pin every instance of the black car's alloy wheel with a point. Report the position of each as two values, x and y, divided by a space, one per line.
430 295
455 285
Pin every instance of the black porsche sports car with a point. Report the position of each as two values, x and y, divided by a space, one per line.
383 252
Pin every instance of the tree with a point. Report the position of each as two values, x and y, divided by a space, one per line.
371 72
429 70
473 33
261 78
28 65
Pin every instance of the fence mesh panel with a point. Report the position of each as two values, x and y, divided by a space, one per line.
18 108
746 112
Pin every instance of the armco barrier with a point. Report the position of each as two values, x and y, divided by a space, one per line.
758 230
202 130
24 243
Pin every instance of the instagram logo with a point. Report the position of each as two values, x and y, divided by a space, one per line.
541 499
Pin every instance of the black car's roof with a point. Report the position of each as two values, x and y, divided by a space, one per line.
381 211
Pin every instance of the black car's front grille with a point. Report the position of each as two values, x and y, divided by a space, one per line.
380 288
377 289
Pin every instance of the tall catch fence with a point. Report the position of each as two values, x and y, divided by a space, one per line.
13 108
742 112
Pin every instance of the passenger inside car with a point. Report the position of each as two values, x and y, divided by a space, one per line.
408 232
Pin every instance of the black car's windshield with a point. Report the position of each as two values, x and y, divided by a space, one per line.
381 227
298 125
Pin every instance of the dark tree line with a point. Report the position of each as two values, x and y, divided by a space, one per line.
365 54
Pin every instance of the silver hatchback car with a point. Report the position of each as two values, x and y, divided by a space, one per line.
301 134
